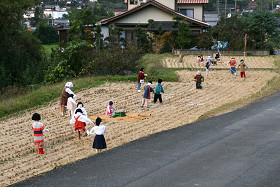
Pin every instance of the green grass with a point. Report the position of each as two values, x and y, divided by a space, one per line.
46 94
153 67
48 48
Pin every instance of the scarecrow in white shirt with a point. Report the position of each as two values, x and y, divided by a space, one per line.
99 142
80 122
64 97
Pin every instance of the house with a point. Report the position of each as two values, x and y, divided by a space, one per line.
161 11
211 18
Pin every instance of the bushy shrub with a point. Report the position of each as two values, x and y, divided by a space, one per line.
46 33
80 58
21 60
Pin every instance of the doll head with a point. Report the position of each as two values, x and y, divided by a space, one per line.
98 121
80 105
36 117
78 110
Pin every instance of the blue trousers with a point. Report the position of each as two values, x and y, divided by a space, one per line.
139 85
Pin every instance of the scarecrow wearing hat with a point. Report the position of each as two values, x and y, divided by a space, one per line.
199 79
232 64
65 94
242 66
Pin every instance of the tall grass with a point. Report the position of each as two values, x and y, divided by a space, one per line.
153 67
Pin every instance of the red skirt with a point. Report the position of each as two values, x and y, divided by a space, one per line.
80 125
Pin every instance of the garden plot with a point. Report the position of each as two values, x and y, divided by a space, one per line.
182 104
189 61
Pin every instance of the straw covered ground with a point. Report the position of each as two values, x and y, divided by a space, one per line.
182 104
189 61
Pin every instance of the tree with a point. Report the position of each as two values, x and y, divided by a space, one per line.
38 17
46 33
76 31
183 39
21 59
144 41
260 26
169 40
230 30
98 38
204 41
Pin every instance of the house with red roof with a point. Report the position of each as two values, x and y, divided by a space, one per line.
161 11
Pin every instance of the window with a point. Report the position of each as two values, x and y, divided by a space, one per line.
187 12
133 2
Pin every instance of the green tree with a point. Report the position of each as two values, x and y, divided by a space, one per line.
230 30
46 33
184 39
38 17
261 25
76 31
98 38
21 59
144 41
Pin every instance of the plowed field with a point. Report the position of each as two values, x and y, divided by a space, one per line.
190 62
182 104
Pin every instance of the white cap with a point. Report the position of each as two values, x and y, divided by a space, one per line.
198 72
69 84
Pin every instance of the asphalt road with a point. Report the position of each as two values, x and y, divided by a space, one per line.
240 148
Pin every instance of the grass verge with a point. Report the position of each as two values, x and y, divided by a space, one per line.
153 67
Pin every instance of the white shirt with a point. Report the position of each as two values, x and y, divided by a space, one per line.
83 110
98 130
82 118
68 90
70 99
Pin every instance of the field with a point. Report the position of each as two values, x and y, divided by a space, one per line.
252 62
182 104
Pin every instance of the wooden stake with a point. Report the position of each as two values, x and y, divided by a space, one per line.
245 46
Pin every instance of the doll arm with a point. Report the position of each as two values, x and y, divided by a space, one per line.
91 131
72 121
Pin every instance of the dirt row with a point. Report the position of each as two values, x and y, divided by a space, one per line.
182 104
189 61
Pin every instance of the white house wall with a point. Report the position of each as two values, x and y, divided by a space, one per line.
143 15
168 3
198 10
